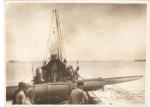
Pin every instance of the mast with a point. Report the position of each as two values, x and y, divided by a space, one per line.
54 43
59 35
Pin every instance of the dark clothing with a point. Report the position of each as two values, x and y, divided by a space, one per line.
53 68
45 73
72 74
76 74
45 76
60 66
68 72
37 80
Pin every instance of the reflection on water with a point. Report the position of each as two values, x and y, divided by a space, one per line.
129 92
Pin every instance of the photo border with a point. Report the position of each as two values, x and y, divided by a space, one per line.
3 45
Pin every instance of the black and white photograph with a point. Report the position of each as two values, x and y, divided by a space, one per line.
75 54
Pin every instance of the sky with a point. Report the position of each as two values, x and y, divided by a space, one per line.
89 31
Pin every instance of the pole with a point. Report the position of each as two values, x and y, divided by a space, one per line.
77 63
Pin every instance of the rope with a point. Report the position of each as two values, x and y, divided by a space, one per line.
59 29
45 57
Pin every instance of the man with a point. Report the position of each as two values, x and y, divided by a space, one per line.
52 68
39 76
76 74
69 72
20 95
55 68
44 74
78 95
65 62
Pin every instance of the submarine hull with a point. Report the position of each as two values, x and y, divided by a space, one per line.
61 90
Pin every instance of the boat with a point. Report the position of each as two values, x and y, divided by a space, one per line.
55 92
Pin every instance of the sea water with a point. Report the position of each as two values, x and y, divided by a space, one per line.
122 94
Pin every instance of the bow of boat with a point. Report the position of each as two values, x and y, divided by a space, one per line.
121 79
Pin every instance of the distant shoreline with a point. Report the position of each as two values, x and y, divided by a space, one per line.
17 61
140 60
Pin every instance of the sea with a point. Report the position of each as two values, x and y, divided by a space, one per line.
123 94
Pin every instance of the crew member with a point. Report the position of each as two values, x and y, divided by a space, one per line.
39 76
45 74
65 62
55 68
69 72
19 96
78 95
76 74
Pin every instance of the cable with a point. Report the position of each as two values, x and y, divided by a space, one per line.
45 57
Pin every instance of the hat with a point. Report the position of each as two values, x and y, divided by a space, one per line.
23 85
65 61
53 56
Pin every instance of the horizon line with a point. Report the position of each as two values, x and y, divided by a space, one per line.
75 60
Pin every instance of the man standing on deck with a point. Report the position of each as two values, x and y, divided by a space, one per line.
39 76
55 68
78 95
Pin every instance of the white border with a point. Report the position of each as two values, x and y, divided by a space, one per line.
2 43
81 1
2 76
147 84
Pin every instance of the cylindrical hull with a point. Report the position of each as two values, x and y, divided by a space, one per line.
64 88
